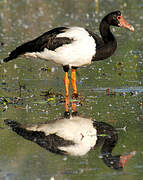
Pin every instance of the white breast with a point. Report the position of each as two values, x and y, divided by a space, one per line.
78 53
77 129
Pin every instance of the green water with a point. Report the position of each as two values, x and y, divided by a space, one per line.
21 21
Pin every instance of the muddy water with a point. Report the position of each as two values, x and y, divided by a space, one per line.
111 90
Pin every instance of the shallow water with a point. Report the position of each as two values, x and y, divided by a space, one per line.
111 90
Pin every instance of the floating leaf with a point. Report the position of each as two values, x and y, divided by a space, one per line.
102 135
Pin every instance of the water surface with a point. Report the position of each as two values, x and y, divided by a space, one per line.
111 90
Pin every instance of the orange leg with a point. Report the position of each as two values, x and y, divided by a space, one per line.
74 110
73 79
74 107
66 81
66 104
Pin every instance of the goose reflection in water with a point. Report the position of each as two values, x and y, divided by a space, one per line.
74 135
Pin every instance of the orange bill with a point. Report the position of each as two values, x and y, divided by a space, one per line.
124 23
125 158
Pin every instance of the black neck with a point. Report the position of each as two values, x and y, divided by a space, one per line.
106 151
109 43
108 137
105 32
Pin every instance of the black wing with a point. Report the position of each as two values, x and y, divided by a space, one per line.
46 40
50 142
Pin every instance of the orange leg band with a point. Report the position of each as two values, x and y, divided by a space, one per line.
73 79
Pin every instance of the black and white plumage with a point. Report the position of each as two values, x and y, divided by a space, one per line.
74 136
73 47
64 46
